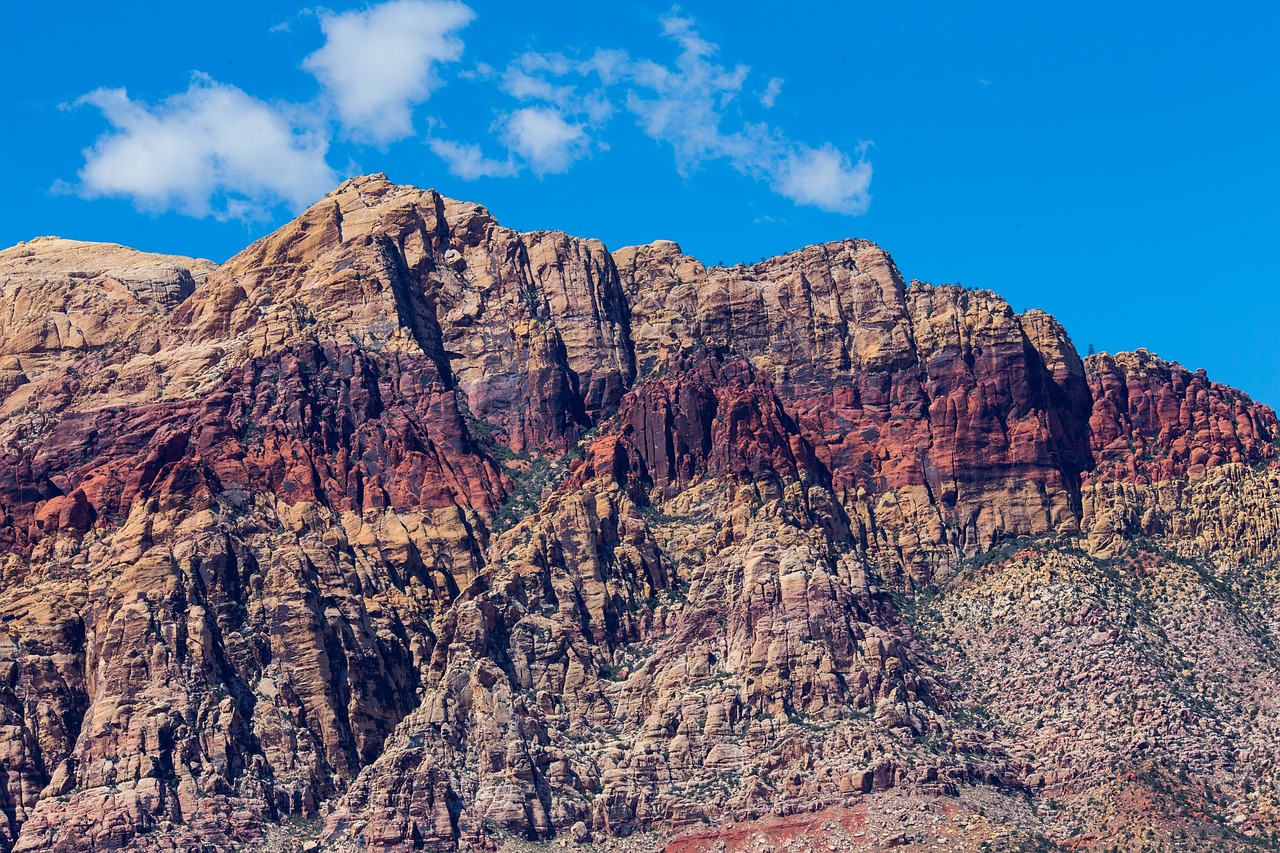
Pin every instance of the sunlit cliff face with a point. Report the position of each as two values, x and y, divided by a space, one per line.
405 530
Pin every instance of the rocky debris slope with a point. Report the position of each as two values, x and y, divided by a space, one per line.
1137 691
403 530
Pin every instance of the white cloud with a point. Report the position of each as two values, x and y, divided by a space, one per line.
524 86
689 105
546 141
692 104
377 64
527 79
681 30
683 105
769 96
825 178
539 138
468 162
212 150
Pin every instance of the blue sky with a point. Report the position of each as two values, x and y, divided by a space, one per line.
1114 166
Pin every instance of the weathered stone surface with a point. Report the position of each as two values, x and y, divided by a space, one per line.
64 302
530 328
12 376
65 297
947 421
404 530
653 653
1154 421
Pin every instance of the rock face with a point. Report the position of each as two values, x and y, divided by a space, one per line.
402 530
947 421
1154 421
64 299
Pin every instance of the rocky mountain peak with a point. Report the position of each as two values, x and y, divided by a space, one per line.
405 530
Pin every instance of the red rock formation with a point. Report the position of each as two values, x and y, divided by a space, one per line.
947 421
1154 421
317 533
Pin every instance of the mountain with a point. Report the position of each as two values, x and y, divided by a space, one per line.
403 530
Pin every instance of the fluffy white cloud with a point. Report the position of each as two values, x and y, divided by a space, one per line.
468 162
377 64
212 150
544 139
825 178
538 138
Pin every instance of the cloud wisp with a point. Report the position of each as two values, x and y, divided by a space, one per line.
825 178
693 105
772 90
212 150
466 160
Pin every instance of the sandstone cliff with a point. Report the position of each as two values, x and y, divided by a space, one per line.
405 530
